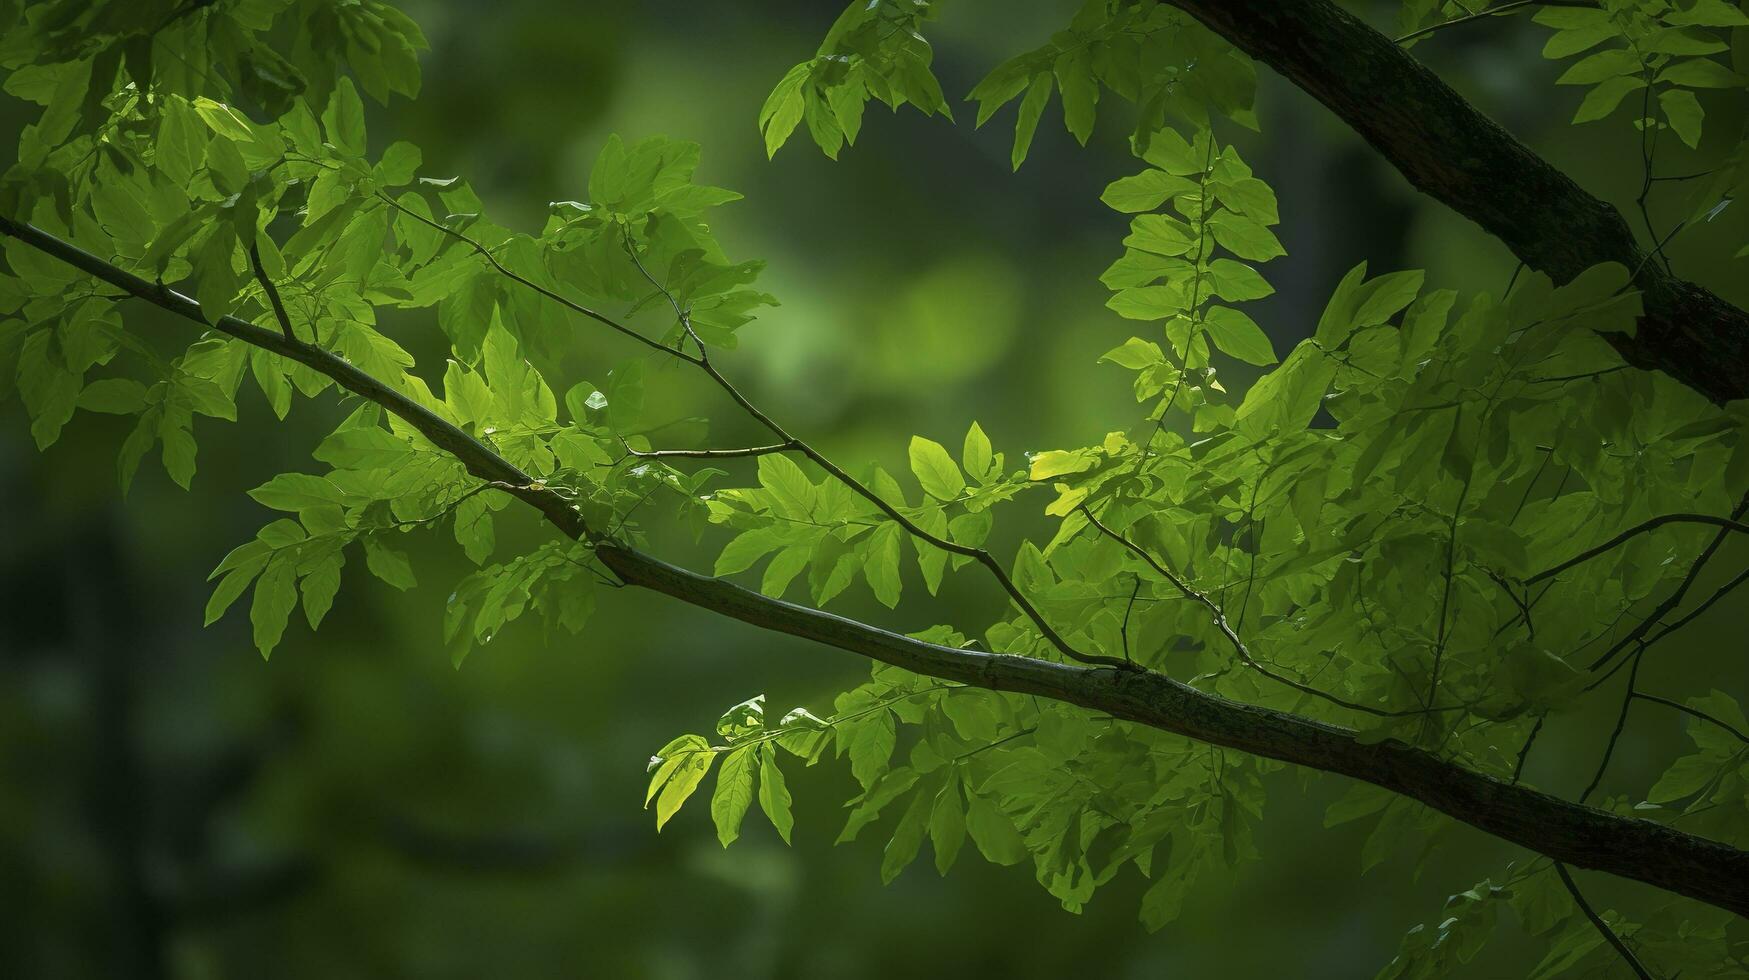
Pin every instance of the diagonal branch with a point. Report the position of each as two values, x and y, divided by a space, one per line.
272 291
1725 524
1232 636
1658 855
702 361
1614 940
1450 151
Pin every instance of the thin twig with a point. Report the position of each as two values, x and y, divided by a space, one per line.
1602 926
1621 722
1232 637
515 277
1674 599
782 447
1726 523
983 557
1692 712
1478 15
1529 740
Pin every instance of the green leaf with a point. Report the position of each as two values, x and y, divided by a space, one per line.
1238 335
734 793
791 491
881 564
935 469
1145 191
976 456
783 108
1684 112
993 832
907 838
388 564
224 120
1708 13
1080 93
625 396
947 825
1148 302
275 597
1160 234
114 396
1057 462
1602 100
774 796
1236 282
343 119
399 164
689 770
1245 237
297 491
319 586
870 740
1032 106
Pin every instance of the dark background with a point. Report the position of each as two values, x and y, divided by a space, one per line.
171 806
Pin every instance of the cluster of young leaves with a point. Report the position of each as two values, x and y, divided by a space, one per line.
1663 49
147 170
1160 59
1170 272
1674 940
874 50
1078 797
286 210
834 534
1710 786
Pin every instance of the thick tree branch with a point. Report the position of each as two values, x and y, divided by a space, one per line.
1645 851
1453 153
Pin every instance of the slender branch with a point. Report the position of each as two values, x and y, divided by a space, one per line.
1451 569
1586 376
1658 855
1726 523
1674 599
1220 620
981 556
1692 614
782 447
272 291
1614 940
1693 713
703 362
1529 741
1493 11
1621 721
515 277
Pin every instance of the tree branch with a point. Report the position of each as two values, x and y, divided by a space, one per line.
1658 855
1723 523
1614 940
1448 150
1233 639
782 447
272 291
702 361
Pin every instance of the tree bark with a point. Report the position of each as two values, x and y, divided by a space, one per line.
1681 863
1458 156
